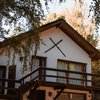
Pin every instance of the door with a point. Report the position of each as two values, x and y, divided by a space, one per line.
37 95
37 62
2 76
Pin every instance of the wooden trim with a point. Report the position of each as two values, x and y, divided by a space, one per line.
28 75
39 56
53 46
57 47
70 61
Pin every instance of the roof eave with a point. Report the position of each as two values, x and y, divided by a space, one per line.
76 37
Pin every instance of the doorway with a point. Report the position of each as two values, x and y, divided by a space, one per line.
37 95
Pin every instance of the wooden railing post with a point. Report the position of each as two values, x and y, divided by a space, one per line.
40 74
85 82
67 75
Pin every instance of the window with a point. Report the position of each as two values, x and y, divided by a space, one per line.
2 76
71 66
11 75
71 96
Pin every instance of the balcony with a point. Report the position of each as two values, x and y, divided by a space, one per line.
43 76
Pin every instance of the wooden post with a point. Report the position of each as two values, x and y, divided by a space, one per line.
85 82
40 74
67 74
20 96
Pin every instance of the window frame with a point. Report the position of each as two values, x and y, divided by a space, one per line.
74 62
68 61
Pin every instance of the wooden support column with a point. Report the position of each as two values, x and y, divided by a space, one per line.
59 92
20 96
40 74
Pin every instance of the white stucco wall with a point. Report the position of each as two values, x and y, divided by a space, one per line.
72 51
54 93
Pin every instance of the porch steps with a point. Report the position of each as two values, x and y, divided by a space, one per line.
28 85
22 89
9 97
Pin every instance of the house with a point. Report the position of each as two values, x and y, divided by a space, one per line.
61 70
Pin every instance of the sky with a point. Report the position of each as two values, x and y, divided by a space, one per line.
55 7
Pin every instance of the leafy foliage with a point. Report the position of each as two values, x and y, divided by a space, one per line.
11 11
79 20
96 69
30 13
95 7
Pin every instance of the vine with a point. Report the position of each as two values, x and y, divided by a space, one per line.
23 46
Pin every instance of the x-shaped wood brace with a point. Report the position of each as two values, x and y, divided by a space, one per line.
55 45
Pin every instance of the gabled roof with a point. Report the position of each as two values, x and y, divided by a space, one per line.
69 31
75 36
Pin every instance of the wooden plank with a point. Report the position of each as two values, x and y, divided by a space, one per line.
53 46
57 47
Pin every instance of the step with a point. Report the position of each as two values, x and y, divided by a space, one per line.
8 96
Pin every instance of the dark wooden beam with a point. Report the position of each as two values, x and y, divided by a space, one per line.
53 46
59 92
57 47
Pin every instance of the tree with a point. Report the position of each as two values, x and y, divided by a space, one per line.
15 12
11 11
27 14
79 20
95 7
96 69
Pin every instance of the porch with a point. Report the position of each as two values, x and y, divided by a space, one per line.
48 77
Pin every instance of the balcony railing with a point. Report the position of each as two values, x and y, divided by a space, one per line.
44 76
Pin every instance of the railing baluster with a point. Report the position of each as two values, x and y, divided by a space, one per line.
86 79
40 74
67 75
22 81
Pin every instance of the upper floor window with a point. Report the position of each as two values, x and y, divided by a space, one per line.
71 66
